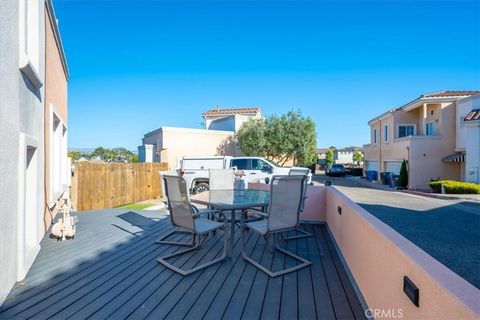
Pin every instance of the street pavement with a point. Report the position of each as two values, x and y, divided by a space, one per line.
448 230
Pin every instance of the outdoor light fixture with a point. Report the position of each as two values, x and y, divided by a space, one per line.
339 210
411 290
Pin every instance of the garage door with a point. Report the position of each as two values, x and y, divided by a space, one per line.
393 166
372 165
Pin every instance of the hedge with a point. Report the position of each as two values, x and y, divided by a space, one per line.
455 187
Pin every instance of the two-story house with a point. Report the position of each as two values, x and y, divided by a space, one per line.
430 133
171 144
34 168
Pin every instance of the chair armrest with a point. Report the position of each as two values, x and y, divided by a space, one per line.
198 214
261 213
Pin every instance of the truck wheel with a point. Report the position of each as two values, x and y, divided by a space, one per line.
201 187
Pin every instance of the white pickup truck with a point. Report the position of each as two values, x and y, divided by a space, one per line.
195 169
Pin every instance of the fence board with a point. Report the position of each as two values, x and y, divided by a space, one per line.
108 185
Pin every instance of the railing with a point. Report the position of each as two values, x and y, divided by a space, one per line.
109 185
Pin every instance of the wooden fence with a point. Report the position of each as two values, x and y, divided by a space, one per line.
109 185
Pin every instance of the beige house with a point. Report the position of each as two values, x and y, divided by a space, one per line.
170 144
430 133
57 165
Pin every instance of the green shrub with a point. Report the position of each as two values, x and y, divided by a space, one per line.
455 187
436 186
403 175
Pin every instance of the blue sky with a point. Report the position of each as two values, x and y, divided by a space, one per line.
139 65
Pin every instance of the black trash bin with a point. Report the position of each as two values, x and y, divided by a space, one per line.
385 178
394 180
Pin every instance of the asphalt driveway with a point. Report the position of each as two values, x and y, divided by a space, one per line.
449 230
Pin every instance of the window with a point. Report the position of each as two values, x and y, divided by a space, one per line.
258 164
59 166
241 164
385 133
374 136
430 129
405 130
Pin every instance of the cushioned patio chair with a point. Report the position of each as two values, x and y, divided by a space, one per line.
286 196
300 232
184 218
177 228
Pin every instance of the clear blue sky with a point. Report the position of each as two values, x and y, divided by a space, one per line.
139 65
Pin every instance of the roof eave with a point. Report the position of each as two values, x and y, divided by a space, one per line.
58 39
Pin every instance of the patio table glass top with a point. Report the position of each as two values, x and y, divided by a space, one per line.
233 199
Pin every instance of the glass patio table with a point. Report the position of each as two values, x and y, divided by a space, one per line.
233 200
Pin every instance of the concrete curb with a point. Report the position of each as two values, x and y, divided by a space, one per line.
442 196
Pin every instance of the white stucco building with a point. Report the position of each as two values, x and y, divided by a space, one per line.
468 137
33 74
171 144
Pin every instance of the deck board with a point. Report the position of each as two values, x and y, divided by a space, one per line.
109 271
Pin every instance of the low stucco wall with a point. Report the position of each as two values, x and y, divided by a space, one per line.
379 257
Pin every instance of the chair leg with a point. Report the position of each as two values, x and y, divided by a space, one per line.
304 263
189 244
163 260
303 234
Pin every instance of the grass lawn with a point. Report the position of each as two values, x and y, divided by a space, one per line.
137 206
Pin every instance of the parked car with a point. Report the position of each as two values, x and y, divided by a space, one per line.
336 170
195 170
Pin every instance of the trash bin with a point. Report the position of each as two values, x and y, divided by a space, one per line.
385 177
371 175
394 180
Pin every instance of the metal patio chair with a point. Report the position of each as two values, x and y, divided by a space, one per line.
185 219
300 232
221 179
286 196
177 227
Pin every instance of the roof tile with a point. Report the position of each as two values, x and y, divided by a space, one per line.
231 111
451 93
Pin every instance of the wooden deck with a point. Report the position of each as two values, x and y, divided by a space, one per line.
109 271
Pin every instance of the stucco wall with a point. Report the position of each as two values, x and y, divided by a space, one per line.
55 100
225 123
21 124
472 161
9 138
379 257
179 142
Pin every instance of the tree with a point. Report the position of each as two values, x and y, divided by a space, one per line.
403 175
251 137
357 156
282 138
329 158
75 155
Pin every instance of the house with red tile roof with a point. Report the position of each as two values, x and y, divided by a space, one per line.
229 119
170 144
438 134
